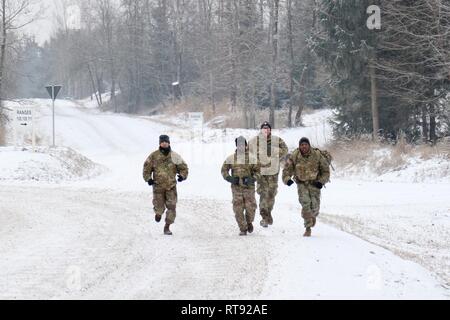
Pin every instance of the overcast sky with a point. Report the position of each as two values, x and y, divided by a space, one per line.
42 28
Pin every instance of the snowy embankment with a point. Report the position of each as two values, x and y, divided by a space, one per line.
50 165
387 165
96 238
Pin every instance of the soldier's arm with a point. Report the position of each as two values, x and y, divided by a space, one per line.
148 169
256 171
284 150
226 170
288 170
324 171
183 169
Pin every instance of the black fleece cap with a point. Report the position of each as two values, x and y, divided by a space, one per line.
304 140
164 138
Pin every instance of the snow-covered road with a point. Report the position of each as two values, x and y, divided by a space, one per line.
97 238
90 243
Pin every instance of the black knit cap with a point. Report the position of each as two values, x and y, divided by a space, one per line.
164 138
304 140
241 140
266 124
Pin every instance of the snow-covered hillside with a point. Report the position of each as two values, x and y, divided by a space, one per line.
96 237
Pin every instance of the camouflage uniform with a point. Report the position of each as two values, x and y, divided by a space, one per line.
163 170
243 195
308 169
270 153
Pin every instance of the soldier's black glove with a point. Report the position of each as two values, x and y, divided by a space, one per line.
233 180
151 182
180 178
318 185
249 181
290 183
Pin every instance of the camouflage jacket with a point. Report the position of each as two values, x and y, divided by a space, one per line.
163 169
270 153
240 168
306 168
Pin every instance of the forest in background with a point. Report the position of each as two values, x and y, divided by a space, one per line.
386 73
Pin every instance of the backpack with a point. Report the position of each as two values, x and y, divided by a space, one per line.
327 156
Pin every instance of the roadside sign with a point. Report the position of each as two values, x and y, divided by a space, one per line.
24 120
196 120
24 116
53 91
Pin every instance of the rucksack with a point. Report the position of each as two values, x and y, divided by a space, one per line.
327 156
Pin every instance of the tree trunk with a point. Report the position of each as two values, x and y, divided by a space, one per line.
273 90
374 98
94 89
433 135
301 100
291 58
424 124
211 92
2 55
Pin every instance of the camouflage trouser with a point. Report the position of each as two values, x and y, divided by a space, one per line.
267 190
163 199
244 200
309 197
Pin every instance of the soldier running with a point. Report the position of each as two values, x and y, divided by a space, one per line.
160 170
243 177
311 172
270 150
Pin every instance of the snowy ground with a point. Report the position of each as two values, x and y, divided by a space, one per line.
96 238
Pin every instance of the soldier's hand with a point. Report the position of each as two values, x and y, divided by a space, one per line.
233 180
247 181
180 178
318 185
151 182
290 183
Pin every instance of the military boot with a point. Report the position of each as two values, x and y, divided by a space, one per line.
250 228
270 219
243 233
158 218
167 231
264 224
307 233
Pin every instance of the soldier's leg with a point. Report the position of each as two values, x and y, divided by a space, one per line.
250 205
271 194
262 196
159 202
171 204
306 202
238 208
315 195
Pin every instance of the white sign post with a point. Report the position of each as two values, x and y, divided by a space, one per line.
196 121
24 119
53 92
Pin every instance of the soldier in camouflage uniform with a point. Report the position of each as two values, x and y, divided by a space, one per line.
311 172
270 151
243 177
160 170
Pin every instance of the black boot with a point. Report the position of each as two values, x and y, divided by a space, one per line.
158 218
167 231
269 219
250 228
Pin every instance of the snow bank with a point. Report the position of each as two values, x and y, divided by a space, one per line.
382 166
52 165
